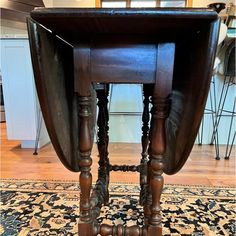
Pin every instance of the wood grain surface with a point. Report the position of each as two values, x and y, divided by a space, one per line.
201 167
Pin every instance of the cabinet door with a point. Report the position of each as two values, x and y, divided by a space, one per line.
125 110
18 89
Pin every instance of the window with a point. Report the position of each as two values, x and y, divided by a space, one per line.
144 3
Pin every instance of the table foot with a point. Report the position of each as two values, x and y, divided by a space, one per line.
85 229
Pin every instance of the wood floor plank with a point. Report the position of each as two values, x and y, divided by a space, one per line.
200 169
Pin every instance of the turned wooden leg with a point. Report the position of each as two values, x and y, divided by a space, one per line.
103 138
160 111
102 122
145 120
156 151
144 161
85 180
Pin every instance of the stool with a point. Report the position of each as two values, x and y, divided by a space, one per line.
212 110
217 6
229 81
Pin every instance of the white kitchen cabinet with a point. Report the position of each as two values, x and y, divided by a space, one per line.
126 108
20 99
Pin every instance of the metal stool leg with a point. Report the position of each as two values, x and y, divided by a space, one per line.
39 126
200 132
213 117
221 103
211 111
227 154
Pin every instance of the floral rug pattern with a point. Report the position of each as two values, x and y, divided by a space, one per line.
39 208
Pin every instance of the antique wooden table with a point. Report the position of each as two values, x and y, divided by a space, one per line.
76 52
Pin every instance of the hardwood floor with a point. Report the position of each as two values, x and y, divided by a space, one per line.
200 169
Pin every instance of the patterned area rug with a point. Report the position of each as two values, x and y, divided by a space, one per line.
30 208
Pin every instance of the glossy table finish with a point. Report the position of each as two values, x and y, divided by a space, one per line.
77 51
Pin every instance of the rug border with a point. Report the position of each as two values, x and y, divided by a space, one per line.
112 183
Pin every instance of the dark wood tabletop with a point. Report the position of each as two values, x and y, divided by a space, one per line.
74 23
122 48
